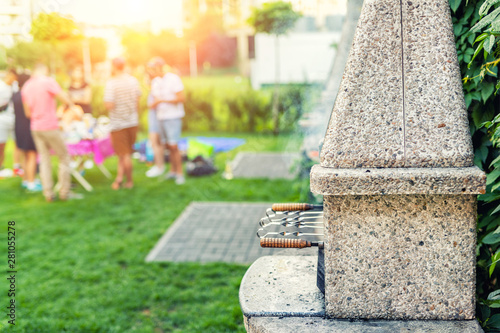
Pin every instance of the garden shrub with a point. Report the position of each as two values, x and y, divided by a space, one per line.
199 107
245 110
478 51
294 102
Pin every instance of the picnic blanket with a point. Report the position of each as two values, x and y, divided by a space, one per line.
219 145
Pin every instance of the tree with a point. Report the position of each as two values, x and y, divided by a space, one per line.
136 47
276 18
53 29
26 54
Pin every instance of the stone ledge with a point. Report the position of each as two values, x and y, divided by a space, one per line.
316 325
282 286
373 181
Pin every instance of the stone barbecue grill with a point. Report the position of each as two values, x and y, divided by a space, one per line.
397 174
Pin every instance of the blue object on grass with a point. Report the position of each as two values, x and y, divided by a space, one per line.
220 145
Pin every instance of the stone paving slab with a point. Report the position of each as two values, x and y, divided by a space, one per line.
264 165
217 232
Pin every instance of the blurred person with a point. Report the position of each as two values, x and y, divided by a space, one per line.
155 74
80 91
24 139
121 99
39 95
7 89
169 97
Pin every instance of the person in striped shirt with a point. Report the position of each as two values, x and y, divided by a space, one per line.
121 99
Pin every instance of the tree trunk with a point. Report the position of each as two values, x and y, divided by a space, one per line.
276 93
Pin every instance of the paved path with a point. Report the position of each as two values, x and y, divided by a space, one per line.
217 232
264 165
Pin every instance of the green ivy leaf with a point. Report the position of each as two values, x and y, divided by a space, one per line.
469 51
479 48
487 20
495 295
495 161
496 210
490 197
485 312
476 95
477 115
454 4
485 7
492 176
485 222
495 187
494 321
495 25
494 259
487 90
471 39
489 43
481 154
468 12
481 37
468 100
492 237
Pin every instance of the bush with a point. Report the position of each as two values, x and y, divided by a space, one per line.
97 102
244 110
295 100
480 85
199 110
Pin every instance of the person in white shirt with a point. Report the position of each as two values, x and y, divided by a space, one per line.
6 115
168 95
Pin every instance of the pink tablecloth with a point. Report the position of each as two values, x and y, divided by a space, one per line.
100 148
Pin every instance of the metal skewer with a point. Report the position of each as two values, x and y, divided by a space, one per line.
285 233
264 223
297 219
271 213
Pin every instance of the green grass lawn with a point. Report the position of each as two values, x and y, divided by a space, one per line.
80 264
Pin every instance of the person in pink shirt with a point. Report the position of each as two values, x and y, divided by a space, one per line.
39 95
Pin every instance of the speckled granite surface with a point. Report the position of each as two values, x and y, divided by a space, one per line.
397 172
366 127
436 125
282 286
278 295
400 103
316 325
400 256
330 181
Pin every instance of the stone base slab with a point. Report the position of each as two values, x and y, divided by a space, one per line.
282 286
317 325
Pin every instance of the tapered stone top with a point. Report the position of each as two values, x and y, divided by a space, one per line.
401 102
400 106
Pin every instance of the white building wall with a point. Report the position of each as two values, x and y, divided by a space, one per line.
15 21
304 58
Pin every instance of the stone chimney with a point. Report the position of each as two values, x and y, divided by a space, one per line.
397 172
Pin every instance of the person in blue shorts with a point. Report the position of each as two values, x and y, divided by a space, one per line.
154 130
168 93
